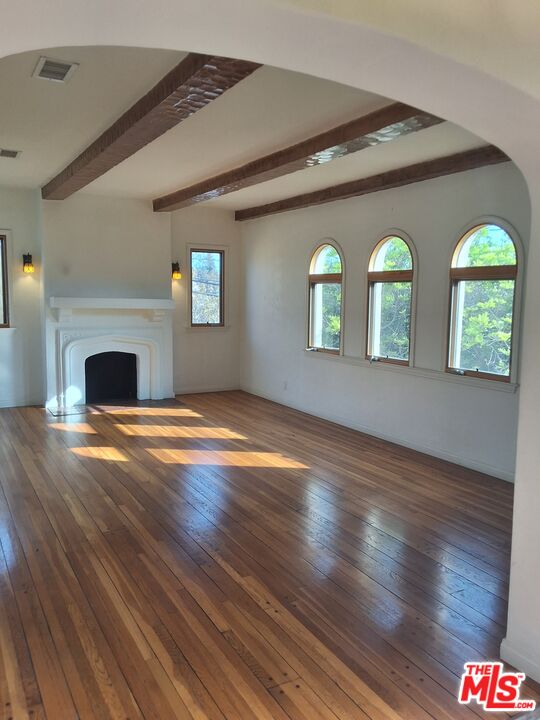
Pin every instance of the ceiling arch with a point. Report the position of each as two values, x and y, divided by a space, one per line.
334 46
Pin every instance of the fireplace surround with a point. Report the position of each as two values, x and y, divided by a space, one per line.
78 328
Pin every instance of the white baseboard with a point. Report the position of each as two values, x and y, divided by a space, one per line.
427 450
204 389
528 665
17 402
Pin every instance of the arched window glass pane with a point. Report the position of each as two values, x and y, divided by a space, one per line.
390 300
325 300
486 246
393 254
484 272
326 261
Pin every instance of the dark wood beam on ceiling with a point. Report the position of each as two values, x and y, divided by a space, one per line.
448 165
389 123
191 85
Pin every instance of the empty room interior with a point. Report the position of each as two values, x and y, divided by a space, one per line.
269 336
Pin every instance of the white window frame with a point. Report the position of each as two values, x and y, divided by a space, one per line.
309 305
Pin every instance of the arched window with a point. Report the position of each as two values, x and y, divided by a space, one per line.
390 281
325 278
483 280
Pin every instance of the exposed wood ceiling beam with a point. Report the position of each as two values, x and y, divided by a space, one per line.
448 165
188 87
383 125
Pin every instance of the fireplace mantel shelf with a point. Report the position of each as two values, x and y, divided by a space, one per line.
65 306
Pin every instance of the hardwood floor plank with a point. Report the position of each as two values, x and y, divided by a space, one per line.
17 684
50 678
226 557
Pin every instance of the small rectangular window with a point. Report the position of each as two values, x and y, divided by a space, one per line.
206 274
4 309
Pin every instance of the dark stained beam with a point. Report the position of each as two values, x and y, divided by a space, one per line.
380 126
448 165
188 87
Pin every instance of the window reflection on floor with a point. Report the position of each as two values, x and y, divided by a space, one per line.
224 457
101 453
75 427
180 431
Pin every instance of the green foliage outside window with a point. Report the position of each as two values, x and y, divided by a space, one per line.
327 303
395 319
393 255
326 300
486 306
391 303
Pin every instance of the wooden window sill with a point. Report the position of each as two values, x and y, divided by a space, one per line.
327 351
390 361
479 375
206 328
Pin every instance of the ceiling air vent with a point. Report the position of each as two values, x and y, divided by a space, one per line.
55 70
9 153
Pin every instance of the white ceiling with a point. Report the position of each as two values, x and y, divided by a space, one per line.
437 141
269 110
52 123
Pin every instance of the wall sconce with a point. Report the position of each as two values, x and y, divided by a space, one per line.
28 265
176 274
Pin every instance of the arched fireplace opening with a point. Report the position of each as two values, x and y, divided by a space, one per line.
111 376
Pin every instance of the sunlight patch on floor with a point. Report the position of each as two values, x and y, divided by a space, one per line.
180 431
224 457
157 412
74 427
101 453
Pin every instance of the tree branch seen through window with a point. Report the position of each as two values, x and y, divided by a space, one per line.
483 277
206 274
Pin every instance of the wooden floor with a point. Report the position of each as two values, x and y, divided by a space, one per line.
226 557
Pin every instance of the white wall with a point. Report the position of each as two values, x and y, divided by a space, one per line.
469 421
521 647
207 358
106 247
21 368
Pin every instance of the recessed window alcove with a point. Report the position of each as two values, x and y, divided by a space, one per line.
111 376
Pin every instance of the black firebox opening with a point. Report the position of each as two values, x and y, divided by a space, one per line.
111 376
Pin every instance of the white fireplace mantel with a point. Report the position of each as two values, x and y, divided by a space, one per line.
77 328
64 307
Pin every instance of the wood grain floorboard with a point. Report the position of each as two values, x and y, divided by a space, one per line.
222 556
